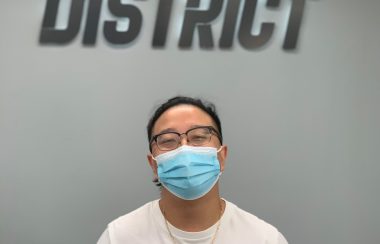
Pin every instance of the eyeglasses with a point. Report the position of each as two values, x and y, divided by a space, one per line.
197 136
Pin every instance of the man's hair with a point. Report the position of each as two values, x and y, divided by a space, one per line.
206 106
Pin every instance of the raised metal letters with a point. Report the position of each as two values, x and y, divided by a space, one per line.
195 20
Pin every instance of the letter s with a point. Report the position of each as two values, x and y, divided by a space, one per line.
135 21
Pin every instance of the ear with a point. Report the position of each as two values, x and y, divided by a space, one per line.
222 156
153 164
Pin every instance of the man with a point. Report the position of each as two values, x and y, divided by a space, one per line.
187 156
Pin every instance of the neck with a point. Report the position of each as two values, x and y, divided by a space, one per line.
195 215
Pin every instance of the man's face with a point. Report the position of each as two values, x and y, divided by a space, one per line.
180 119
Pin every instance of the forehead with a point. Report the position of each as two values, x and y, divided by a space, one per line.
181 118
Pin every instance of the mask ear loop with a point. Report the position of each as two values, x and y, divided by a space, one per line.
156 180
220 149
153 157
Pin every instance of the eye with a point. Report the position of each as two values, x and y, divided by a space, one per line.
167 141
198 138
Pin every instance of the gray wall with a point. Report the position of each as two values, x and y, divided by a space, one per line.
303 127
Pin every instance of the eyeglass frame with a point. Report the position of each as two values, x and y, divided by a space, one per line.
209 127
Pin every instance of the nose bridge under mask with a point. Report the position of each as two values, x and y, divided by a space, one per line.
184 148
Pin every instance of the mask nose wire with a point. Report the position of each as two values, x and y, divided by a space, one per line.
219 149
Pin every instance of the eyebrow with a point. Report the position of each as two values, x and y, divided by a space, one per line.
166 130
174 130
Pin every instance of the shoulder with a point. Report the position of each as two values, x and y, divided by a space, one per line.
131 225
249 219
134 218
253 225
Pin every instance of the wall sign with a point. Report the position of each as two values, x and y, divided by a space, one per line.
195 19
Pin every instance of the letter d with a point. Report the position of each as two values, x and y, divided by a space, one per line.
49 33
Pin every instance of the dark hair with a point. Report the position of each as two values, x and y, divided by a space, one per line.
207 107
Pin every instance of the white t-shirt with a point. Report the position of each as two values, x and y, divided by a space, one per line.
147 225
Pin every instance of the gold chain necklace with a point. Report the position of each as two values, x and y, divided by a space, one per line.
216 231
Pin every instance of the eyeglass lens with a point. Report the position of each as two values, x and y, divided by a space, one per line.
195 137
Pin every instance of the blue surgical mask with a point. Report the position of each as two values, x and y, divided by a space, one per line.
189 172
